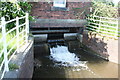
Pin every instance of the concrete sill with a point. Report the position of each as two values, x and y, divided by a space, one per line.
59 9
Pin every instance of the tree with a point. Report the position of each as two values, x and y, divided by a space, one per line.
104 10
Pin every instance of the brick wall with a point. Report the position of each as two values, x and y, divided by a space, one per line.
42 10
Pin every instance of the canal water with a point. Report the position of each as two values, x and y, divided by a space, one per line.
68 59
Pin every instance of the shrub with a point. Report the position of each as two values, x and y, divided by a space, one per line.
104 10
11 10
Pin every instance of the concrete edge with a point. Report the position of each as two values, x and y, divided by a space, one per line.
19 60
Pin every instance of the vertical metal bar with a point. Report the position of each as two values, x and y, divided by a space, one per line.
65 3
99 25
117 32
4 44
92 27
27 27
17 33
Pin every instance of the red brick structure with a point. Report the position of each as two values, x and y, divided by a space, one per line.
71 17
44 10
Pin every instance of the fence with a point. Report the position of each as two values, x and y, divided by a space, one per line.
103 25
9 46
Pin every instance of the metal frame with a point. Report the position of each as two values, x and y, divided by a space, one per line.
58 3
5 52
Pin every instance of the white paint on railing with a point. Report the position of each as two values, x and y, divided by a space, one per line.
22 25
10 21
4 43
27 26
4 64
99 24
117 30
104 17
22 17
106 23
17 31
11 30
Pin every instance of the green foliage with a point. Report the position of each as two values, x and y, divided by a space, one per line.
12 10
108 2
13 66
104 10
9 37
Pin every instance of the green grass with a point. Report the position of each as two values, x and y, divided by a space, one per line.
13 66
8 39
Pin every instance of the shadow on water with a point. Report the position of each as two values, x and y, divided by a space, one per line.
96 66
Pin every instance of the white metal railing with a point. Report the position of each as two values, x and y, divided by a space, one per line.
20 37
103 25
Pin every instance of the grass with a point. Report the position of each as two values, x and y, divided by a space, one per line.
13 66
9 37
11 44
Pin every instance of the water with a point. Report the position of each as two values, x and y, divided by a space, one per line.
69 60
62 57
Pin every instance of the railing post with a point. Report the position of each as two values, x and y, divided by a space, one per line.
99 24
17 33
4 43
27 27
117 29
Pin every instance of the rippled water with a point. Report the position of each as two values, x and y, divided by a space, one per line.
69 60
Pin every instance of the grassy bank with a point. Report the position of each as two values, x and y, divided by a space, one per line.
11 41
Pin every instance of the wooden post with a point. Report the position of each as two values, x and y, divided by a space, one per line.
4 44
